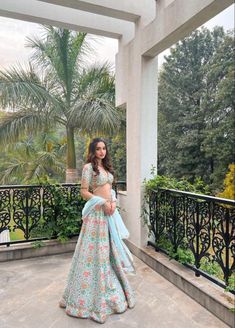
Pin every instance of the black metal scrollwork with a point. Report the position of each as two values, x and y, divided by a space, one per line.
5 204
203 224
223 240
198 228
30 208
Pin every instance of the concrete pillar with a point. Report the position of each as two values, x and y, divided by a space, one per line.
140 78
71 176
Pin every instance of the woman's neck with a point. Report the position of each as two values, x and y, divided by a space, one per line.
99 162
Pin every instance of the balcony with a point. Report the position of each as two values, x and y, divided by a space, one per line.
160 283
32 287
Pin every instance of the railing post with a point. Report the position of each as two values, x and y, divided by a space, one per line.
27 213
197 230
174 225
227 242
56 213
156 224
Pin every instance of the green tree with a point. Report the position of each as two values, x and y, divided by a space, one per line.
58 89
32 158
118 150
196 108
219 134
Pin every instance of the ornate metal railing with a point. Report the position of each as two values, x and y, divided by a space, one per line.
200 227
25 208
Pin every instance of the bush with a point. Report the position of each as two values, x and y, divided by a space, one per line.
62 216
165 182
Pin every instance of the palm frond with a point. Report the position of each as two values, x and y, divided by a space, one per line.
61 52
95 80
94 108
95 115
46 163
20 86
30 159
23 87
16 168
13 125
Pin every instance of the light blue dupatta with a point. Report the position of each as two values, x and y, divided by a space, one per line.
117 230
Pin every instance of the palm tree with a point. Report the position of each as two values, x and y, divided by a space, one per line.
58 88
32 159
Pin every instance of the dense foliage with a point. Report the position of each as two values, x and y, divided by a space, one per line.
166 182
196 108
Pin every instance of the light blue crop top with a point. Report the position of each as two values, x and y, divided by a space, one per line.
91 180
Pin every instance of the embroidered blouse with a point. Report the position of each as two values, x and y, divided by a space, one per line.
91 180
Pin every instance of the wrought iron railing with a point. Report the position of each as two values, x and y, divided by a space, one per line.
200 227
25 208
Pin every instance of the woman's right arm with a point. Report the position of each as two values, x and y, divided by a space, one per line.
86 182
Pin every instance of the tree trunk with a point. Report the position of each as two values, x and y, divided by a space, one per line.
71 171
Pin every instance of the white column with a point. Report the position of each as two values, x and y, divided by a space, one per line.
140 87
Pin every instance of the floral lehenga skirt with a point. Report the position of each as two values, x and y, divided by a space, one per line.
97 285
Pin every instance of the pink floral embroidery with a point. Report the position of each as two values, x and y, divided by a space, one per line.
91 247
114 298
86 274
81 302
80 313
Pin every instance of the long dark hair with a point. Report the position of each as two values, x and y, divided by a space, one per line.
91 158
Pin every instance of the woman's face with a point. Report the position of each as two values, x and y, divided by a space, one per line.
100 150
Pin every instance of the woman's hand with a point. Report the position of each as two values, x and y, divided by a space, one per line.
113 207
109 207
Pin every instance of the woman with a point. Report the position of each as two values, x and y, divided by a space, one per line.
97 285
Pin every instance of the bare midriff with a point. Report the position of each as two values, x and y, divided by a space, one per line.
103 191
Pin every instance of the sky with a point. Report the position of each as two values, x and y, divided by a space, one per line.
14 32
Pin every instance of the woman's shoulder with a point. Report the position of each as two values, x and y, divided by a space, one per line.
87 166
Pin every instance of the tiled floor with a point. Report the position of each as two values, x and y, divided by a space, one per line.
30 290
